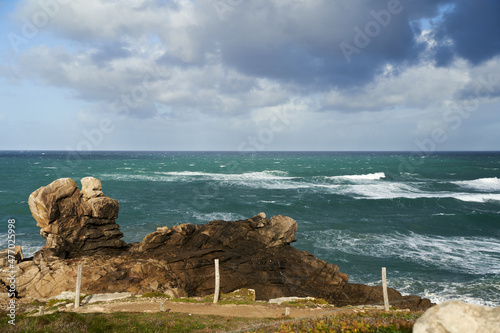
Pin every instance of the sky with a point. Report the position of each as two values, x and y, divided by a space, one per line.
250 75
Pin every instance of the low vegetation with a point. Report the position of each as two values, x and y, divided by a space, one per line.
62 322
306 303
347 319
360 322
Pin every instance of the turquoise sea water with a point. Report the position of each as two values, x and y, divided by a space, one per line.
432 220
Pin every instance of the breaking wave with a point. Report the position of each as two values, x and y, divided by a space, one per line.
472 255
370 176
481 184
372 186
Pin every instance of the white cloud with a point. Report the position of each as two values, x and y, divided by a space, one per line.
182 60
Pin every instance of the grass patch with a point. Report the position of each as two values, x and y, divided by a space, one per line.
69 322
155 294
306 303
186 300
368 322
240 296
53 302
36 303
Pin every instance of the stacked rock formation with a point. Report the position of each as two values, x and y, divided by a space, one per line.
254 253
76 222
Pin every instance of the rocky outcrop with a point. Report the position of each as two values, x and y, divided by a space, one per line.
458 317
75 222
254 253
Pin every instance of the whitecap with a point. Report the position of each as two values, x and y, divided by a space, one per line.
394 190
225 216
472 255
481 184
369 176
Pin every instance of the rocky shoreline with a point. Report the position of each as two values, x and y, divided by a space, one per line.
79 227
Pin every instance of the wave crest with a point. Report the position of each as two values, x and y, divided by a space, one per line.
369 176
481 184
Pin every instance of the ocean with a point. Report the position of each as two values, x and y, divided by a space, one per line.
432 220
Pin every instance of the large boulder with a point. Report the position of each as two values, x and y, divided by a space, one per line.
458 317
75 222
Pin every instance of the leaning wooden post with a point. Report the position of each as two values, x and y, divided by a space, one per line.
384 289
78 285
217 281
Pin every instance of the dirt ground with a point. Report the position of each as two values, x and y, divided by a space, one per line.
257 310
247 311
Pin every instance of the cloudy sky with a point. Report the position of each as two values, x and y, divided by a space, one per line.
250 75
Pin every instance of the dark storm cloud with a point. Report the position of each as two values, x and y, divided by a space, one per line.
322 44
257 53
470 30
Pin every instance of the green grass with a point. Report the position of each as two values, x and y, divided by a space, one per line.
155 294
240 296
366 322
53 302
306 303
62 322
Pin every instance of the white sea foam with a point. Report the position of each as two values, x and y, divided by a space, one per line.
369 176
472 292
476 256
135 177
472 255
366 186
394 190
226 216
263 175
476 197
265 179
481 184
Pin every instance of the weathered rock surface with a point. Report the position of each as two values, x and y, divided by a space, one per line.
76 223
255 253
11 256
458 317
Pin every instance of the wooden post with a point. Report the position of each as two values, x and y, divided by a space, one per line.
41 311
384 289
217 281
78 285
